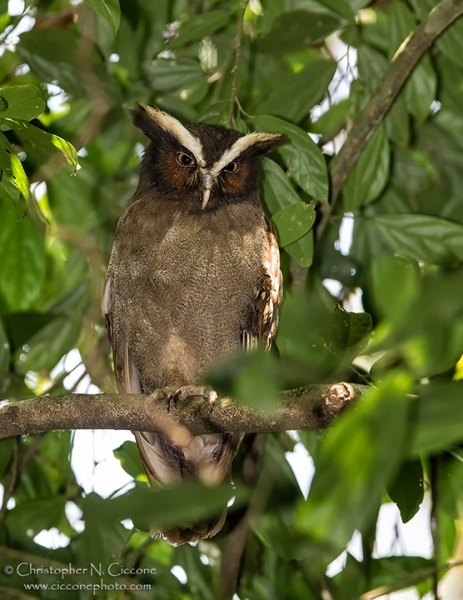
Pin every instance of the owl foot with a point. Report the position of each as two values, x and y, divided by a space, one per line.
165 394
185 392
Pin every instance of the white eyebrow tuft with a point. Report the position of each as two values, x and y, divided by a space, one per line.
239 147
174 127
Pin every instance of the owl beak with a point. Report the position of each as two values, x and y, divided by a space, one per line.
208 180
207 195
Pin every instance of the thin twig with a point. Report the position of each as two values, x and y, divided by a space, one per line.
10 489
31 453
58 382
236 540
219 75
413 579
78 381
135 557
434 521
235 70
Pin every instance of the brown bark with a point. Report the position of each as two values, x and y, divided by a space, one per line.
312 407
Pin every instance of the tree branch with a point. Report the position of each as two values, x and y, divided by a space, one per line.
312 407
403 63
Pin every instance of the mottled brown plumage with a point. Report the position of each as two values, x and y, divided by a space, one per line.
193 275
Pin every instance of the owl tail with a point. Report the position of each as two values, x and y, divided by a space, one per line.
198 531
207 457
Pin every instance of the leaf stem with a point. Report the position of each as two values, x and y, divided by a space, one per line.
235 70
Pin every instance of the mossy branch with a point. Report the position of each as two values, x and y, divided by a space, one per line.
311 407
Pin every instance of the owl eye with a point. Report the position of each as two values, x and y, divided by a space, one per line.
185 160
233 167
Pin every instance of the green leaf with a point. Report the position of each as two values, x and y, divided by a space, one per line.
294 99
95 193
54 55
420 90
451 42
297 30
333 119
293 222
21 326
4 353
51 55
22 258
166 506
167 74
278 195
57 337
372 66
102 538
199 574
45 348
46 142
355 461
438 418
370 173
302 250
21 102
129 457
255 384
311 343
391 569
8 191
401 23
12 167
341 7
304 159
407 490
351 581
36 514
395 287
398 123
352 330
278 191
449 534
430 239
200 27
8 62
108 9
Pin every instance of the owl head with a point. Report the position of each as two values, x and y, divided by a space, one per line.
204 165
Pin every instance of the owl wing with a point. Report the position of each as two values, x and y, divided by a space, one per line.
264 315
127 379
162 460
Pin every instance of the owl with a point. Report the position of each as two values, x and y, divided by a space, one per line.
194 275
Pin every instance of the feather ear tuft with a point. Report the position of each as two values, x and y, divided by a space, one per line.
144 117
248 147
156 125
263 143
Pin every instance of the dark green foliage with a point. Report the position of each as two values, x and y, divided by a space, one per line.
405 261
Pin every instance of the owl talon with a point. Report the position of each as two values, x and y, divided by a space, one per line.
166 394
171 401
189 391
